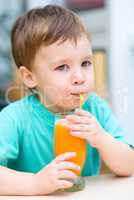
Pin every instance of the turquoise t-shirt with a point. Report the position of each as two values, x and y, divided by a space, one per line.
27 134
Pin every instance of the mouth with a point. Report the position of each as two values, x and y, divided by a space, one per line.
78 94
75 94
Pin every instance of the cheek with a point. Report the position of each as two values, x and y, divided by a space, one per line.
90 84
90 77
61 85
92 81
47 83
55 88
58 96
59 90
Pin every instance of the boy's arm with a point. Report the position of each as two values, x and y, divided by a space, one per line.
16 183
118 156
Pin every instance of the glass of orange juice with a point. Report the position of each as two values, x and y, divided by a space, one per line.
65 142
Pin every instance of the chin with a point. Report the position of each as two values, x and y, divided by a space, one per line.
70 107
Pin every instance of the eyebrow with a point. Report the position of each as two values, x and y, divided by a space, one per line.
88 57
60 61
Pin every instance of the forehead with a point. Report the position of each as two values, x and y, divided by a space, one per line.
67 49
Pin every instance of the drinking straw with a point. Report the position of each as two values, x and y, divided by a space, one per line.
81 100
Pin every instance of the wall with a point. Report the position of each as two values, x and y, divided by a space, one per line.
121 61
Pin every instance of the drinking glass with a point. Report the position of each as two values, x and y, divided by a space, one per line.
65 142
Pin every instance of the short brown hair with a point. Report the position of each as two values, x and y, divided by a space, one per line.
43 26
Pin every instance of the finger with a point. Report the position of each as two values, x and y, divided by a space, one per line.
64 184
65 156
83 113
83 135
68 165
66 174
81 127
78 119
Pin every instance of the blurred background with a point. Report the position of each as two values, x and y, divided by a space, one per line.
111 24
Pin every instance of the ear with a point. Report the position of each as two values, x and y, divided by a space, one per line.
28 77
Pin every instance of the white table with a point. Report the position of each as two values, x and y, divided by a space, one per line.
104 187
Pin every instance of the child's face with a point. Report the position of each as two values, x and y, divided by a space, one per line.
62 72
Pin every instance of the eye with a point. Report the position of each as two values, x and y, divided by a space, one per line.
62 67
86 63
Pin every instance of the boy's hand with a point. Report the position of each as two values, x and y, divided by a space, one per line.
56 175
84 125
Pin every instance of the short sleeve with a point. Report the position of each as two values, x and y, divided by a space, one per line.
110 123
9 137
102 111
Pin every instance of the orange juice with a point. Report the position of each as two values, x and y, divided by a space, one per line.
65 142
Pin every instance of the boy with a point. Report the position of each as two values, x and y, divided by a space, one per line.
52 51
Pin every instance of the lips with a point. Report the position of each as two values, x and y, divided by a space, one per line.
75 94
79 93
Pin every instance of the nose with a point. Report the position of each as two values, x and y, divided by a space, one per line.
78 77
